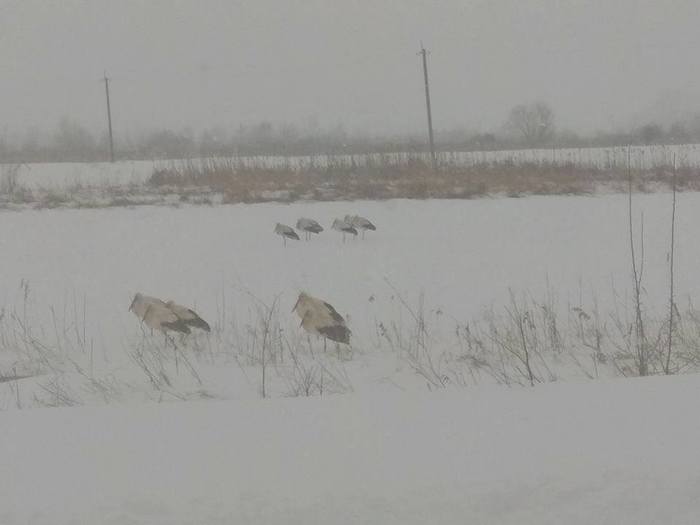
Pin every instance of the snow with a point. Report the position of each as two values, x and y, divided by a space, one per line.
620 452
392 448
464 256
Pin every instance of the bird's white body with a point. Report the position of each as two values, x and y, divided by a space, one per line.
309 226
164 317
286 232
360 223
344 227
188 316
156 314
320 318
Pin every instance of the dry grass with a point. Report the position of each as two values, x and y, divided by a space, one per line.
216 181
413 179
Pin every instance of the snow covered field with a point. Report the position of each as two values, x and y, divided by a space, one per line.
622 452
69 277
390 449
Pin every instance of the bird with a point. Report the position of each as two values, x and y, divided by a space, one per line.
360 223
188 316
156 314
308 226
166 317
286 232
320 318
344 227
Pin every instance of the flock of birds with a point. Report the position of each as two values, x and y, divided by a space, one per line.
350 225
317 317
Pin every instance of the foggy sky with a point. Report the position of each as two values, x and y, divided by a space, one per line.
199 64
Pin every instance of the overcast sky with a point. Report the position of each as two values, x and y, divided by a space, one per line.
205 63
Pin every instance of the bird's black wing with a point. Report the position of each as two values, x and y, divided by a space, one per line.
334 313
197 321
177 326
337 333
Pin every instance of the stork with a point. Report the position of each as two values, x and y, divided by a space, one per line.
344 227
286 232
360 223
320 318
156 314
308 226
166 317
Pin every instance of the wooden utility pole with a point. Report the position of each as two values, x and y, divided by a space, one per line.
109 119
423 54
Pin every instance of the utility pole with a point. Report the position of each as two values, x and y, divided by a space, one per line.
109 119
424 53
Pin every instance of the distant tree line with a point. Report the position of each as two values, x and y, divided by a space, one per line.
527 126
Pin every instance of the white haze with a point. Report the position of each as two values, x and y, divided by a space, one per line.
200 64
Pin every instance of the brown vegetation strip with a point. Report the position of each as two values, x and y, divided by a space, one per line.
412 180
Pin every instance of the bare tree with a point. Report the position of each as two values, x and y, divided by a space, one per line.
533 122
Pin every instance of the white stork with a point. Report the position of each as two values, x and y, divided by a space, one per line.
286 232
156 314
166 317
308 226
320 318
344 227
360 223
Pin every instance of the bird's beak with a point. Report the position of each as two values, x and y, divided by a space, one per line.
131 306
296 304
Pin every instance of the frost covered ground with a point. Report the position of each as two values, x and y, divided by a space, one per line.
621 452
375 442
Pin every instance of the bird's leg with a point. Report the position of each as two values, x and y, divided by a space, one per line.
311 348
177 363
324 345
363 234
